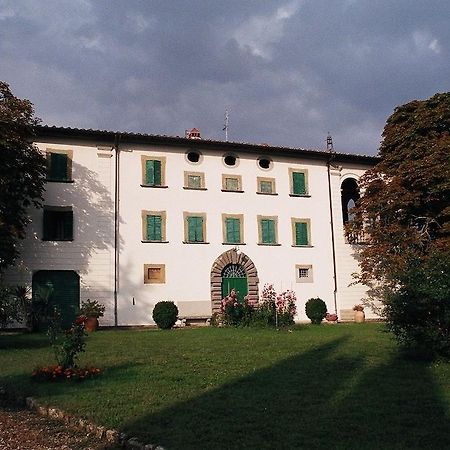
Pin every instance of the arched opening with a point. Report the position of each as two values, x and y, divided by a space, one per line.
233 269
234 277
349 198
60 288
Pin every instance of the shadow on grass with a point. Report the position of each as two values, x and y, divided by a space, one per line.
312 400
21 341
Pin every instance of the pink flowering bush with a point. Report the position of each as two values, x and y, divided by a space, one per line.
232 310
275 309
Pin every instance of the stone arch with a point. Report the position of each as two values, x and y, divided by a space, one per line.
233 257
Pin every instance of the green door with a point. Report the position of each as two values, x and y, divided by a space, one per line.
60 288
234 277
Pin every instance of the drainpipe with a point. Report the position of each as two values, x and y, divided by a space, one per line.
333 245
116 222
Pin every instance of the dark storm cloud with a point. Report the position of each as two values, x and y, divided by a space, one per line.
289 71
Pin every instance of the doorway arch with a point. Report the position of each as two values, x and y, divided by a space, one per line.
233 262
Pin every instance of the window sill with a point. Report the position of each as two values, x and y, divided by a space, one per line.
268 245
154 186
267 193
300 195
231 190
188 242
234 243
303 246
57 240
194 189
154 242
53 180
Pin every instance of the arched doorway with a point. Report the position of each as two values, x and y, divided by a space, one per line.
60 288
233 269
349 197
234 277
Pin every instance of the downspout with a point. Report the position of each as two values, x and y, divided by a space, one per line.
116 223
333 244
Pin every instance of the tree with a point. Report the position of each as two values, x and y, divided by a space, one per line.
22 172
404 208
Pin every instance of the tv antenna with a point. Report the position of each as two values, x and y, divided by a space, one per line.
225 126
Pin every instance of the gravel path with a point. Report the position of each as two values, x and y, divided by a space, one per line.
24 430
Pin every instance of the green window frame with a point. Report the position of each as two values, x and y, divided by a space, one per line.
233 230
268 235
58 166
299 183
301 233
154 228
153 172
195 229
58 225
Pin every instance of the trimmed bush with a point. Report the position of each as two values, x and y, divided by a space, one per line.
316 310
165 315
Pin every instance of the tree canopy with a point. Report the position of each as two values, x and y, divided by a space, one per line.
22 172
404 212
404 208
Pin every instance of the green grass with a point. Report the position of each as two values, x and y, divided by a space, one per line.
340 387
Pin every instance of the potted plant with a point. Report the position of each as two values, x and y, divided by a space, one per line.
359 313
92 309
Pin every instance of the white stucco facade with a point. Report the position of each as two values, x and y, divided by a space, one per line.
187 266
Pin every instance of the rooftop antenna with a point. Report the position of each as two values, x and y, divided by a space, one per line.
330 147
225 126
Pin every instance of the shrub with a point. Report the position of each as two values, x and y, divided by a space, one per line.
316 310
9 311
165 314
418 310
92 308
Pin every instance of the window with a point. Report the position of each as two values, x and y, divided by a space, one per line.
153 171
59 165
267 230
266 186
230 160
194 180
349 197
154 273
299 182
303 273
232 183
265 163
154 226
194 157
301 232
58 223
232 228
195 228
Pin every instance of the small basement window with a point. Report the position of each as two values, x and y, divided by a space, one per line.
154 273
303 273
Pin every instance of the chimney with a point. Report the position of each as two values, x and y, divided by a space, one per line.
192 134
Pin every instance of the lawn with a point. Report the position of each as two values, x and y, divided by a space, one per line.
340 386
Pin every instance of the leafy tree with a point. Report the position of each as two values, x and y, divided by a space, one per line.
404 208
22 172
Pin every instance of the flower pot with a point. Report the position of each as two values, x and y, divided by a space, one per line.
91 324
359 317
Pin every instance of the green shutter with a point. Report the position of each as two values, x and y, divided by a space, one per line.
268 231
153 172
233 226
195 229
299 184
58 166
301 233
154 231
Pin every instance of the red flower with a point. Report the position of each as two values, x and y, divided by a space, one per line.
80 320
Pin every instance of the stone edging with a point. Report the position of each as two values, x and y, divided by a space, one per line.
109 435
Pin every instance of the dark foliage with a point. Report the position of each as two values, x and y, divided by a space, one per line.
22 172
316 310
165 315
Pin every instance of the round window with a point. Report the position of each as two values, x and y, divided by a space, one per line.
264 163
230 160
193 157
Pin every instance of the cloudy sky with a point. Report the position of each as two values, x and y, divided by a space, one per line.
289 71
